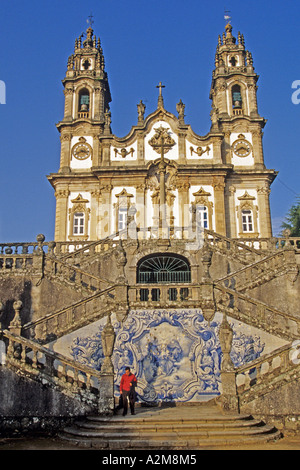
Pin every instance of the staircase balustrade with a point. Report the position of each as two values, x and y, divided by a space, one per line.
48 367
256 273
267 373
256 313
55 268
72 317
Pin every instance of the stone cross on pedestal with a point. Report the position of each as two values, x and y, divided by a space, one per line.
160 102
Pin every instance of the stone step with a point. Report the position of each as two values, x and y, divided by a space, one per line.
170 425
177 429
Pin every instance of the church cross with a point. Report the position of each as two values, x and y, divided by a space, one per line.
160 102
90 20
160 86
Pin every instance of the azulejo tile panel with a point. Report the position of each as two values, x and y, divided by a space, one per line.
175 354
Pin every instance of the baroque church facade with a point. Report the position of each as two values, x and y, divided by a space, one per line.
163 260
218 181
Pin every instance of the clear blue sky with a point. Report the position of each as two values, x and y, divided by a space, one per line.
144 42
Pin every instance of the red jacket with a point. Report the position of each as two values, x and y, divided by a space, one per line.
126 380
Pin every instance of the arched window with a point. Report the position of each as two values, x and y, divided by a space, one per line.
162 268
84 103
237 102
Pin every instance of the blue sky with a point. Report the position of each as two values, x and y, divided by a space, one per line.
144 42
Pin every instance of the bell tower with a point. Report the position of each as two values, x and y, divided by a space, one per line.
233 91
235 114
87 98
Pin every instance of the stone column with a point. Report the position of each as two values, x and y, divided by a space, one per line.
96 151
258 149
232 212
183 199
105 211
140 205
61 218
95 195
68 92
97 106
65 152
265 226
219 205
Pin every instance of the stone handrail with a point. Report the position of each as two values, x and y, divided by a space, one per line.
256 313
236 245
267 373
250 276
16 262
54 268
38 362
74 316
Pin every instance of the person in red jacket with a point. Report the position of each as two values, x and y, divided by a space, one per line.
127 390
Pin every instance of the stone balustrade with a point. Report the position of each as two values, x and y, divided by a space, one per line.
48 367
256 273
65 272
164 295
268 372
256 313
74 316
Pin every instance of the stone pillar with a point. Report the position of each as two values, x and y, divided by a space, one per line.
95 197
265 226
232 213
106 399
219 205
65 152
229 394
68 92
183 199
108 340
15 326
258 149
61 218
140 205
96 151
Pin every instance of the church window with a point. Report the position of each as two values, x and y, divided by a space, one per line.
247 221
78 223
164 268
202 216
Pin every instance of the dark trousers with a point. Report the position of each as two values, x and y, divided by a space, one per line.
128 396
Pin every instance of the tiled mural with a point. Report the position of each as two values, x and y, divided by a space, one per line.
175 354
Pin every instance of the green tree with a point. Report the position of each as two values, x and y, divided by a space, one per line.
292 220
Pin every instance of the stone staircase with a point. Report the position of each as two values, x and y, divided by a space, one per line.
183 427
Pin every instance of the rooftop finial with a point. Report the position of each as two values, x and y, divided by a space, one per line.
160 102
